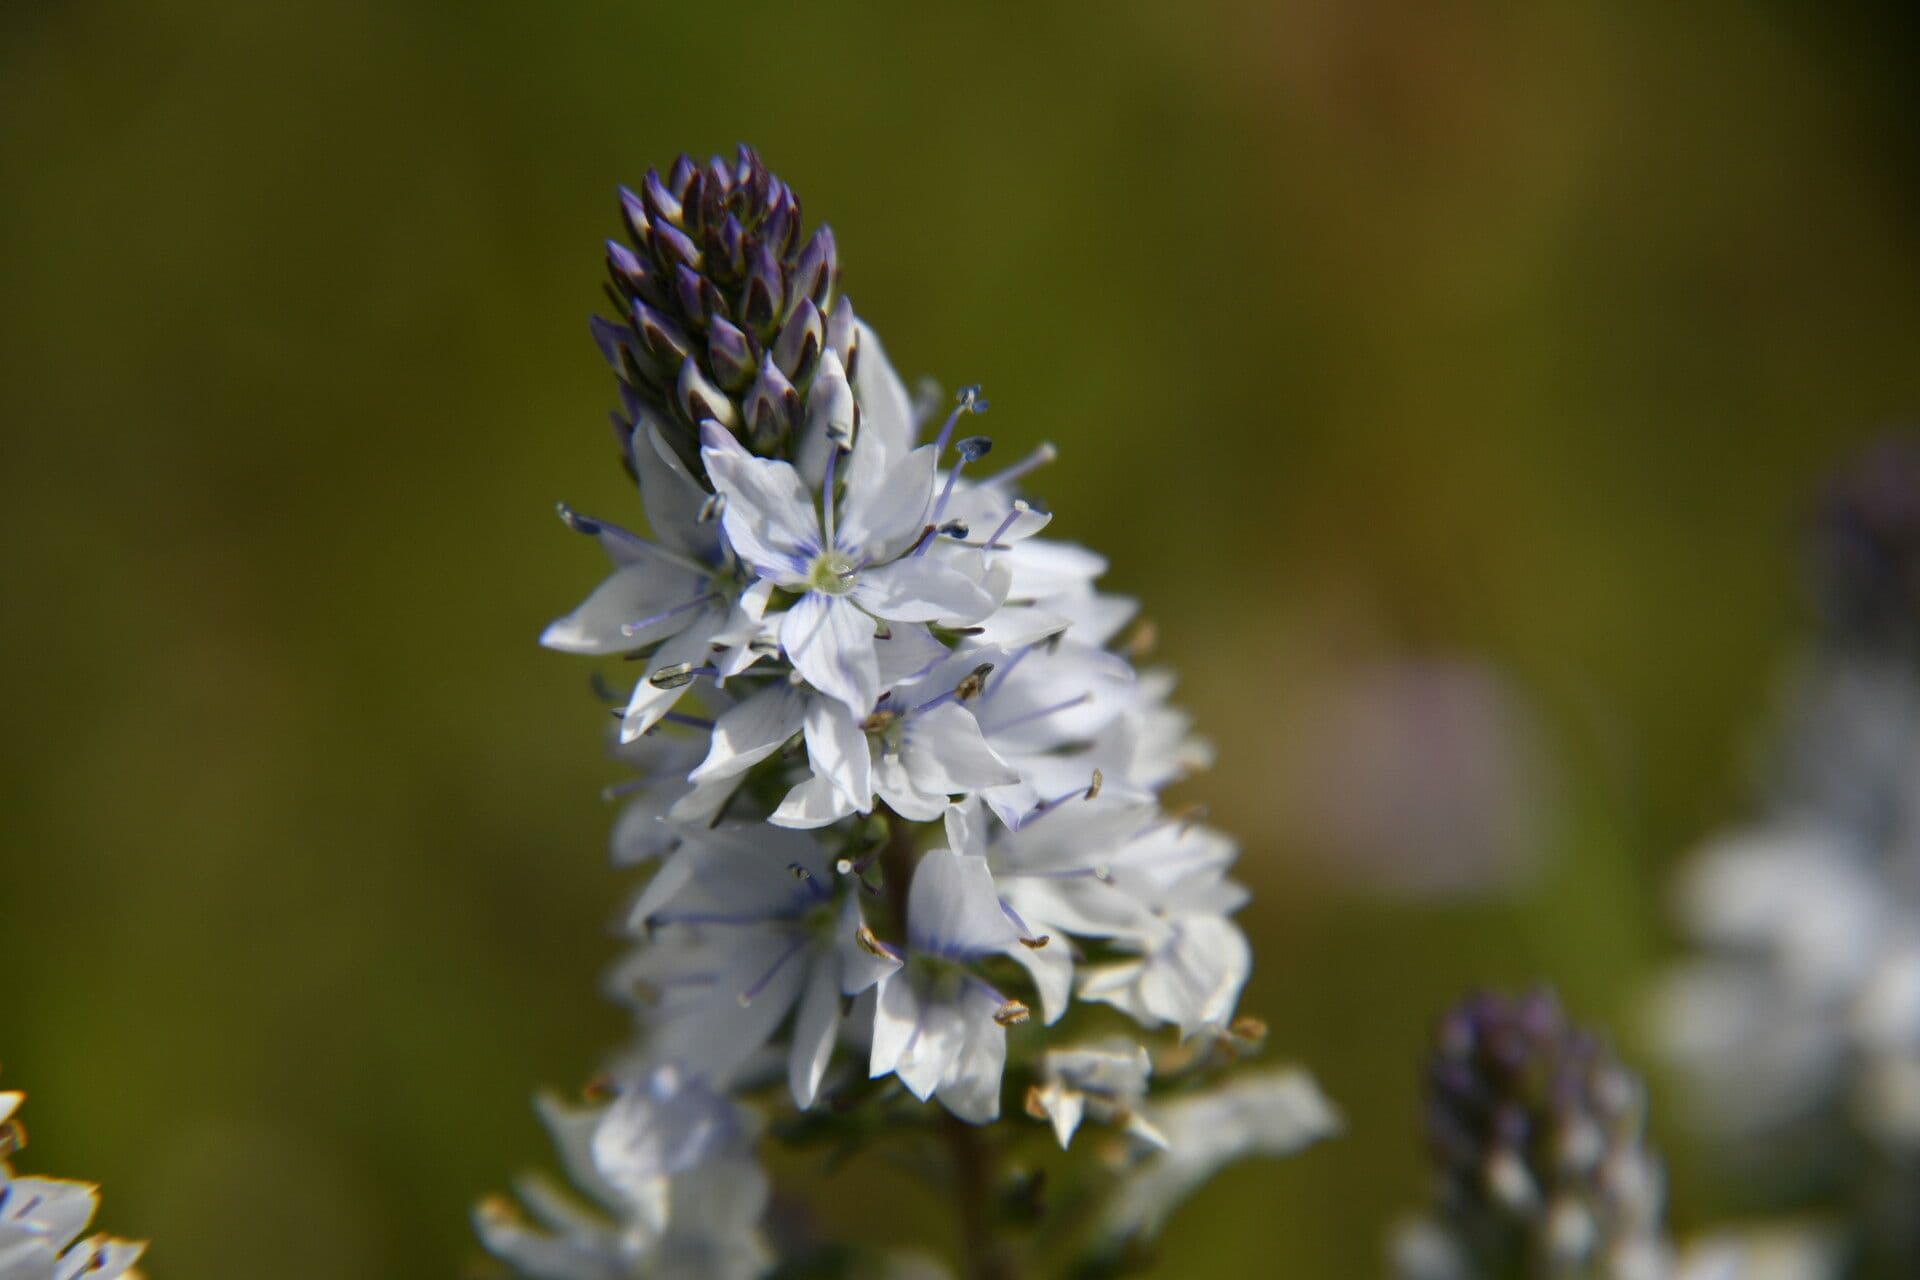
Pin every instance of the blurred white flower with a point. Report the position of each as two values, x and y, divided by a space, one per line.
41 1220
1270 1114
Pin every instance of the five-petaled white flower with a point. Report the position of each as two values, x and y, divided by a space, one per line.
856 559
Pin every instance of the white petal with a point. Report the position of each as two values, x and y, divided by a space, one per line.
748 733
1043 569
769 517
671 877
829 421
1014 626
908 650
892 783
886 410
837 750
813 803
921 589
649 702
966 825
649 592
896 1018
971 1087
814 1030
946 754
953 909
830 642
1051 968
860 965
881 515
936 1035
641 833
671 496
701 806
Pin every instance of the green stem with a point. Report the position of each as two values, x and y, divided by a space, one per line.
983 1255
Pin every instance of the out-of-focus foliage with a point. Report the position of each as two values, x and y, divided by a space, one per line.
1511 335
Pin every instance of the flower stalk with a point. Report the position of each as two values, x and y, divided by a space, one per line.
896 796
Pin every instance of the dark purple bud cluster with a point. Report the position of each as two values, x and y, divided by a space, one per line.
1538 1134
722 307
1866 545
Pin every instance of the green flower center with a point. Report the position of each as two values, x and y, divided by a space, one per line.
831 572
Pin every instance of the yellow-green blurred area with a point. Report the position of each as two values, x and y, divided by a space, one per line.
1512 338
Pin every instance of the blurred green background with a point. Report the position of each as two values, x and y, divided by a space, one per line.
1498 335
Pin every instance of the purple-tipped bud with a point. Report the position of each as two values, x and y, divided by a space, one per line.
730 356
687 293
684 171
660 336
614 342
625 266
676 245
1866 546
843 334
800 340
814 271
661 203
782 224
700 400
765 290
830 403
1533 1124
733 245
773 406
718 275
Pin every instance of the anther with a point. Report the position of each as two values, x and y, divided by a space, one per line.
13 1136
974 683
679 675
577 522
1093 787
1034 944
880 721
871 944
1012 1012
1142 640
970 449
712 507
799 872
967 400
1040 457
598 1089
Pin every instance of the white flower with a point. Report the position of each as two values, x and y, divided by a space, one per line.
1275 1113
1776 1251
849 556
677 595
1107 1081
41 1220
705 1230
920 746
1152 887
662 1123
759 929
937 1025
